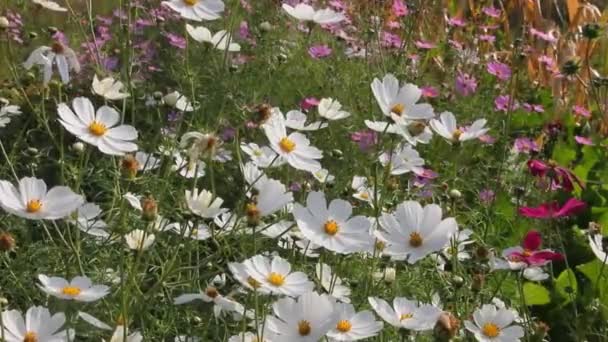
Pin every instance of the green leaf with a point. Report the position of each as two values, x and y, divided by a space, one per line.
563 153
535 294
567 285
592 271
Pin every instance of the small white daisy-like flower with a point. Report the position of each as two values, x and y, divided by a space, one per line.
139 240
331 109
332 227
596 242
403 160
294 148
38 325
50 5
94 321
101 128
88 221
146 161
406 313
494 324
240 273
352 325
203 204
221 40
363 191
413 131
200 232
323 176
306 319
56 54
304 12
295 119
31 200
447 128
332 283
212 295
251 337
109 88
413 232
272 196
261 156
6 112
189 169
401 101
178 101
275 276
121 334
80 289
197 10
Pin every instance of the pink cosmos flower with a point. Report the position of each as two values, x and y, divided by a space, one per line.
530 253
581 111
525 145
491 12
424 44
487 139
465 84
528 107
560 177
501 103
500 70
319 51
549 37
583 140
490 38
176 40
309 103
487 196
399 8
456 22
552 210
429 91
365 139
391 40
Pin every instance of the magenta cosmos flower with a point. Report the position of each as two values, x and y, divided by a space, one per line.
530 253
465 84
552 210
319 51
500 70
560 177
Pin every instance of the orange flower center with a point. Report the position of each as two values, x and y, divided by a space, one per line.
456 134
331 227
398 109
190 2
304 328
276 279
405 316
416 127
30 336
287 145
33 206
97 128
71 291
211 292
490 330
415 239
344 326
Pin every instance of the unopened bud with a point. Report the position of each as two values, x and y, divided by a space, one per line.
149 208
265 26
447 326
4 23
129 166
455 193
7 242
78 146
390 273
591 30
479 281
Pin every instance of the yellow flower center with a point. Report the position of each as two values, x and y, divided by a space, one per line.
344 326
211 292
304 328
364 195
416 127
380 245
276 279
398 109
527 253
490 330
456 134
190 2
30 336
253 283
97 128
33 206
71 291
287 145
405 316
415 239
331 227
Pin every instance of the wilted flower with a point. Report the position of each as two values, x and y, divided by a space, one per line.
553 210
58 54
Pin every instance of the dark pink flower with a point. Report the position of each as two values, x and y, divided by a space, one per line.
530 252
319 51
456 22
309 103
365 139
583 140
560 177
501 103
391 40
176 40
581 111
429 91
490 38
552 210
546 36
399 8
500 70
491 12
528 107
465 84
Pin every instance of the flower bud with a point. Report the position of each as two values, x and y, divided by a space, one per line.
78 146
455 193
570 68
4 23
390 273
479 281
591 30
3 301
447 326
266 26
149 208
7 242
129 166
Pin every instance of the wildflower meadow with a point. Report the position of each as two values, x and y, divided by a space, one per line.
303 170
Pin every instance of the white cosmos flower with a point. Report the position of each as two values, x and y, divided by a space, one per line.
304 12
57 54
596 242
189 169
457 246
403 160
261 156
333 227
401 101
6 112
363 191
354 326
405 313
160 224
109 88
492 324
447 128
203 204
121 334
323 176
212 295
101 129
275 276
80 289
38 325
295 119
201 232
413 232
251 337
178 101
301 245
332 283
139 240
88 220
221 40
197 10
146 161
50 5
94 321
413 131
32 201
331 109
272 196
306 319
295 148
240 273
